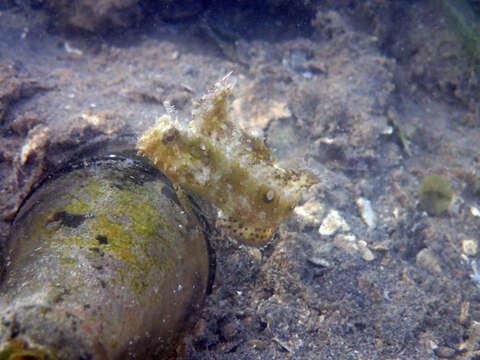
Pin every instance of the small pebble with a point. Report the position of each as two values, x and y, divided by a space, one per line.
387 130
445 352
320 262
427 259
229 331
365 252
332 223
174 55
469 247
347 243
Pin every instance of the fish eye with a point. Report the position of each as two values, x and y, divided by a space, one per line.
269 196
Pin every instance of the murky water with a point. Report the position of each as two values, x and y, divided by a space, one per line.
370 96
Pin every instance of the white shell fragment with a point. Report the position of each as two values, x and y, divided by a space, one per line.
474 211
350 244
310 213
469 247
332 223
367 213
365 252
347 243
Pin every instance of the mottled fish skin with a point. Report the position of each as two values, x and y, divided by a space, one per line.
230 168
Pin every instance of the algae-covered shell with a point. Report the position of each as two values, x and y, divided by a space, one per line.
100 266
435 194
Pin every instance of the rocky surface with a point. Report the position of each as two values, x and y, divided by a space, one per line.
371 96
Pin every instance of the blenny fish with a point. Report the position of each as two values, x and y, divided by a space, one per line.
228 167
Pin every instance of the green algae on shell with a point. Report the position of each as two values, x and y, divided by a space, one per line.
101 266
435 194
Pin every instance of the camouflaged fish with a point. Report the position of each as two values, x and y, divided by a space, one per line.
233 170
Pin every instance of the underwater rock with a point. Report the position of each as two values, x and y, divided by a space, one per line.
445 65
14 88
100 266
93 15
230 168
